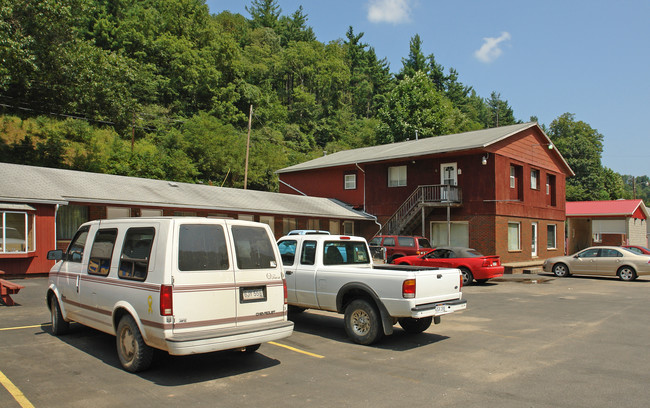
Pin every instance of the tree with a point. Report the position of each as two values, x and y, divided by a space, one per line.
499 113
582 147
416 61
264 13
414 105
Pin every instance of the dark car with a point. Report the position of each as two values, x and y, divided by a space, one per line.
397 246
472 264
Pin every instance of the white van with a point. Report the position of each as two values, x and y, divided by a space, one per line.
185 285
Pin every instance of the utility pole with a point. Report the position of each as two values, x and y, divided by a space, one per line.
248 143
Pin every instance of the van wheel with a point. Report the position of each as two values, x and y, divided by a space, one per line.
134 354
59 325
415 326
252 349
362 322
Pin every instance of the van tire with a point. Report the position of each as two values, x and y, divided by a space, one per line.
415 326
252 349
132 351
362 322
59 325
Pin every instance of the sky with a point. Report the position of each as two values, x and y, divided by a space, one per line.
590 58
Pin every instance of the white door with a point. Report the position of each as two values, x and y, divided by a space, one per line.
533 249
449 177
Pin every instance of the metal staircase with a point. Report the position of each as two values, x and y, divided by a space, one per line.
405 218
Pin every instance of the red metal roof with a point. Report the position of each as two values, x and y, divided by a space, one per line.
610 208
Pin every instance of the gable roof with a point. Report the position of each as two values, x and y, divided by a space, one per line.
29 184
611 208
478 139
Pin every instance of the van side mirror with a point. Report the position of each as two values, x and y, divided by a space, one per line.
55 255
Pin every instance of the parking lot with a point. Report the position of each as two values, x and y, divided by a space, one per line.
524 341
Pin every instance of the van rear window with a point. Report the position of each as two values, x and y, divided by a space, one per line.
253 248
202 248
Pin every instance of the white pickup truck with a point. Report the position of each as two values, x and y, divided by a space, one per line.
336 273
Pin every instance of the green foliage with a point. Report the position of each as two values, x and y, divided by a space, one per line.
163 89
582 147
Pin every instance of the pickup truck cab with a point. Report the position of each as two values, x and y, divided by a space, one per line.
336 273
184 285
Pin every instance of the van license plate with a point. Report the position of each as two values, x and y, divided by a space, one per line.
253 294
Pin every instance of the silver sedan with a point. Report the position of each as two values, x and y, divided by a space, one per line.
601 260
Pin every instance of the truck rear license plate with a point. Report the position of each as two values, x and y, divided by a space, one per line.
253 294
441 309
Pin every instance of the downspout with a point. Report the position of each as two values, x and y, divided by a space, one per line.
56 211
364 198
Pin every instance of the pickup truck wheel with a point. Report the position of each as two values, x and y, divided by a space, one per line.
467 275
59 325
134 354
415 326
362 322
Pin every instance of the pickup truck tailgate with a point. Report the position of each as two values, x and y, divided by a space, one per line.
432 284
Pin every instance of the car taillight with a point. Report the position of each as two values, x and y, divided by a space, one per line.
461 279
486 262
166 305
408 289
286 294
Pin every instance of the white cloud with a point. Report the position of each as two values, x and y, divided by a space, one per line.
490 49
389 11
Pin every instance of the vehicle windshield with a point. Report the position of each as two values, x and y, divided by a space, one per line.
424 243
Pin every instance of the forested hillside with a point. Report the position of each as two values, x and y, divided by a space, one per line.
164 89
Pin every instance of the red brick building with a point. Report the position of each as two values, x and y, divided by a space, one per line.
498 190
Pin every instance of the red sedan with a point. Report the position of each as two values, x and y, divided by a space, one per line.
472 264
637 249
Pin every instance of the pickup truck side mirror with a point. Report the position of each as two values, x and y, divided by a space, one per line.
55 255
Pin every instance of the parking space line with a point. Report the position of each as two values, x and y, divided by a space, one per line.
25 327
296 350
15 392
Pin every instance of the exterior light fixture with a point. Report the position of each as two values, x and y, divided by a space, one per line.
484 159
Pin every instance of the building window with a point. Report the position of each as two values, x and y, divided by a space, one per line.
551 240
335 227
514 236
117 212
513 176
288 224
17 232
268 220
397 176
348 227
459 233
68 220
147 212
598 237
184 214
313 224
350 181
516 183
550 190
534 179
246 217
